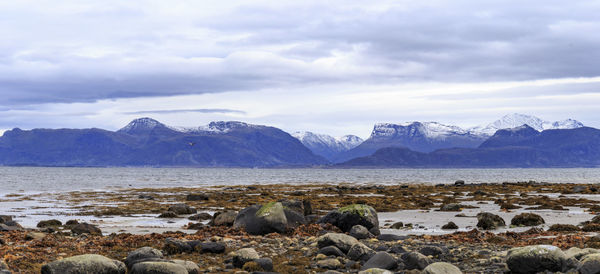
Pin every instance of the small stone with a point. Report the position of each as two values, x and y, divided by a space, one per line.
451 207
143 254
158 268
244 255
416 260
360 232
265 263
182 209
49 223
397 225
85 228
342 241
441 268
211 247
196 197
176 246
200 217
360 252
450 225
329 264
168 214
381 260
331 251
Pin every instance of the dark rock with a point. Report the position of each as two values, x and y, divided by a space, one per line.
168 214
268 218
293 205
88 263
143 254
415 260
360 232
486 220
342 241
196 197
145 197
590 264
5 218
224 218
347 217
451 207
49 223
211 247
391 237
182 209
360 252
397 225
397 249
71 223
85 228
450 225
244 255
176 246
527 219
200 217
375 231
432 251
34 236
195 226
307 207
265 263
331 251
381 260
536 258
563 228
459 183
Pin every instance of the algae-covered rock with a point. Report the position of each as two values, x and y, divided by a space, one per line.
486 220
356 214
536 258
268 218
342 241
527 219
143 254
83 264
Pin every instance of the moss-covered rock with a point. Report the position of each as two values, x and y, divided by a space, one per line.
88 263
356 214
527 219
536 258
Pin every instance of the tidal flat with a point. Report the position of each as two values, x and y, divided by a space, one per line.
410 218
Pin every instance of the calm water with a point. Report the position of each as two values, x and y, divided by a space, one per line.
41 179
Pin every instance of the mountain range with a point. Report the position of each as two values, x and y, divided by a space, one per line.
518 140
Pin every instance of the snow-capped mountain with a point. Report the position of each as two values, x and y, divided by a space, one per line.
431 130
141 125
325 145
146 124
516 120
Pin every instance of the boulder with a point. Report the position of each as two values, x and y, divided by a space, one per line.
450 225
347 217
527 219
196 197
200 217
191 267
85 228
88 263
329 264
451 207
265 263
360 252
375 271
381 260
536 258
342 241
244 255
431 250
176 246
34 235
459 183
360 232
143 254
158 268
415 260
49 223
486 220
441 268
168 214
224 218
331 251
397 225
590 264
391 237
564 228
578 253
182 209
211 247
268 218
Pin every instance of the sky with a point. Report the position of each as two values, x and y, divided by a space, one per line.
333 67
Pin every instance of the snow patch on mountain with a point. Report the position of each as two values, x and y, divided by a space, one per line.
433 130
139 124
516 120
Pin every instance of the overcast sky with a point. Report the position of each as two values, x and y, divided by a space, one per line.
334 67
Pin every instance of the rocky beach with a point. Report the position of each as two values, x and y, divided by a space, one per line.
518 227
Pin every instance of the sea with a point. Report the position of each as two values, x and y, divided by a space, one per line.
58 179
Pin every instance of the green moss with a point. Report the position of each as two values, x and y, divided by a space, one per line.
359 209
268 208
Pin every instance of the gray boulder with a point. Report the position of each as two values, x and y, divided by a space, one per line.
244 255
536 258
82 264
268 218
329 264
191 267
415 260
527 219
211 247
578 253
143 254
360 232
360 252
590 264
356 214
182 209
339 240
224 218
381 260
85 228
331 251
375 271
486 220
176 246
441 268
158 268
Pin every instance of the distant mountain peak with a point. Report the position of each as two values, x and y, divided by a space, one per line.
141 124
428 129
516 120
325 145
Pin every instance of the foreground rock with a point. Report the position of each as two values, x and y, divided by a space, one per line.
416 260
536 258
527 219
487 221
89 263
339 240
143 254
85 228
382 260
244 255
224 218
158 268
356 214
268 218
441 268
590 264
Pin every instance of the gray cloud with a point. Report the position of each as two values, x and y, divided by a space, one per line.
83 52
171 111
